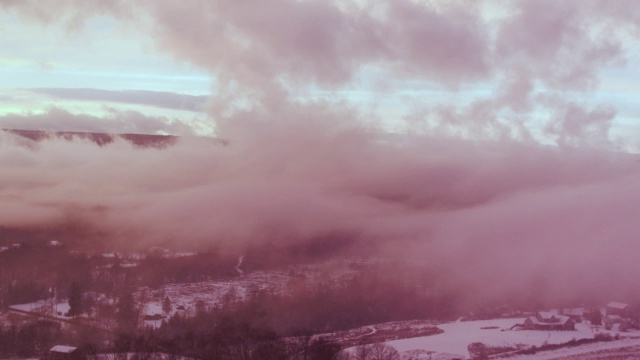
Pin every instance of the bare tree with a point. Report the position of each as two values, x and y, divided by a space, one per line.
299 346
343 355
378 351
382 351
362 352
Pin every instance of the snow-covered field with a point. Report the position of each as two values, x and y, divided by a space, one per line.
458 335
382 332
53 308
627 349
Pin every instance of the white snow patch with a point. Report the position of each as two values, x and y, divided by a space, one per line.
458 335
63 349
55 309
240 261
578 350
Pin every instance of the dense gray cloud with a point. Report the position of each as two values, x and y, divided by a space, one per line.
482 211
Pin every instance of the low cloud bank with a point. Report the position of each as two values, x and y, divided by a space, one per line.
499 217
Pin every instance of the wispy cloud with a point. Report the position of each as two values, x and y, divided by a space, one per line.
160 99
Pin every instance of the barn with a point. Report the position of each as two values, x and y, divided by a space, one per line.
617 308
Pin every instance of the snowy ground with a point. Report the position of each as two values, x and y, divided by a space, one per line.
382 332
628 348
458 335
54 308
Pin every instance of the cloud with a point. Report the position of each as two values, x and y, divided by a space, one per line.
450 45
73 12
160 99
576 125
557 43
322 43
259 60
494 215
535 46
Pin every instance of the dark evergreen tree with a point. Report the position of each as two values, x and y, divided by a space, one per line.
478 351
166 305
75 300
127 313
595 317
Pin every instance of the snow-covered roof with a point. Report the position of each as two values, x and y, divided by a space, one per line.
561 319
54 243
63 349
614 317
574 311
547 314
617 305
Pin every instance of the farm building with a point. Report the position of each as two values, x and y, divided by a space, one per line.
549 321
617 308
577 314
612 319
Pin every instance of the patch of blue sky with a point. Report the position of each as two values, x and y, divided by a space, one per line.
35 56
25 78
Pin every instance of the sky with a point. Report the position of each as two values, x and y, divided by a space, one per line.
496 139
519 68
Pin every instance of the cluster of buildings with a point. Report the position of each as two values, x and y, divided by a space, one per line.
615 314
618 314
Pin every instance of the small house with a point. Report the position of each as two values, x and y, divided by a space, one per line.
577 314
544 320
